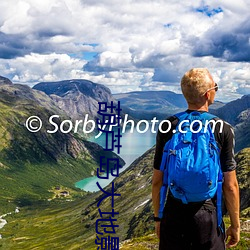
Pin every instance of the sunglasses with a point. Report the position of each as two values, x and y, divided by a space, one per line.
216 87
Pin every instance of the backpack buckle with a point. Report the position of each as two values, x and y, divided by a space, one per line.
172 152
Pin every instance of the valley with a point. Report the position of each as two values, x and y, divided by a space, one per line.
38 171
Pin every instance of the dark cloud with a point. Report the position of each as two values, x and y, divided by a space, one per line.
12 46
151 61
94 66
166 75
245 27
232 46
45 33
9 53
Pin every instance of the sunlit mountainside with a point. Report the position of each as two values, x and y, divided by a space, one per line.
38 170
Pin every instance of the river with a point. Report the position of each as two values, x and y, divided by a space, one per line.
3 222
133 145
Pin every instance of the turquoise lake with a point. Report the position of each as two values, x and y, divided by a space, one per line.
133 145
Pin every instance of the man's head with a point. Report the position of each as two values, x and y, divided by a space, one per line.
197 86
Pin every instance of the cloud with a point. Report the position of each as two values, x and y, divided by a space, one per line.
12 45
231 45
169 74
34 68
41 18
109 61
139 45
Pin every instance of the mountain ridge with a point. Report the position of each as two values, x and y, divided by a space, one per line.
160 104
237 113
149 104
77 97
4 80
230 111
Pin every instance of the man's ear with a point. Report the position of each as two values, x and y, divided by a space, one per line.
207 95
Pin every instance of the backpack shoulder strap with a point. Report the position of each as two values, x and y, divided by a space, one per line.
182 115
208 116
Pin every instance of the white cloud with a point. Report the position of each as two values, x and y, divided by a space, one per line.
33 16
140 44
114 59
117 81
34 68
16 18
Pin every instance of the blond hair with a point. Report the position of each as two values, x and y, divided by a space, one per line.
195 83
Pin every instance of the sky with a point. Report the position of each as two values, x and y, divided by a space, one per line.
127 45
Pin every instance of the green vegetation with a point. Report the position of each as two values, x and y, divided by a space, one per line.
32 183
32 163
243 175
76 220
244 236
37 174
61 224
49 225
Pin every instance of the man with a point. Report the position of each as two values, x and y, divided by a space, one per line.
194 225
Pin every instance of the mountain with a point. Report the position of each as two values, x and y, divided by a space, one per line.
232 110
237 113
216 105
135 204
4 80
160 104
77 97
31 164
64 226
147 104
242 130
80 97
243 174
71 225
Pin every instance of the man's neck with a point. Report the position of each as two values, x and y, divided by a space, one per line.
203 107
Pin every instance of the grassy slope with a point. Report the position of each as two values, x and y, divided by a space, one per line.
26 172
32 163
71 225
57 225
48 226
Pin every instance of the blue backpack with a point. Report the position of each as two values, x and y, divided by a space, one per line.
191 162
